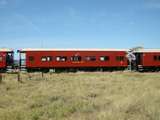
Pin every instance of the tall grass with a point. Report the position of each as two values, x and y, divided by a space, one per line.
81 96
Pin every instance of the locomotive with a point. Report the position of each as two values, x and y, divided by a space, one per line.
81 59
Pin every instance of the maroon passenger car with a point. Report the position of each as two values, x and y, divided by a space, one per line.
46 59
148 59
6 59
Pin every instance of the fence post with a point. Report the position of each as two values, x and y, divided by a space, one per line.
42 74
1 77
29 76
19 77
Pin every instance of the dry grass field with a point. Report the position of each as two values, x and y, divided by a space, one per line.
81 96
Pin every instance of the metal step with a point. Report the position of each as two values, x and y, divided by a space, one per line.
140 68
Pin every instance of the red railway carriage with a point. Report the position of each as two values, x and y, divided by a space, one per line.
6 59
148 59
72 58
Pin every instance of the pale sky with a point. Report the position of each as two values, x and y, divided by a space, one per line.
79 23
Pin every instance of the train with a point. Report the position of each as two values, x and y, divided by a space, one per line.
6 59
46 60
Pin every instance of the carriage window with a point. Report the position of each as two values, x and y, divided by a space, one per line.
61 58
1 58
43 59
31 58
120 58
155 58
104 58
46 58
90 58
49 58
76 58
